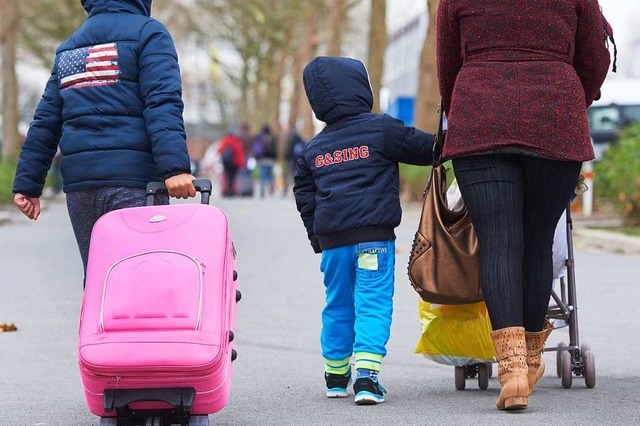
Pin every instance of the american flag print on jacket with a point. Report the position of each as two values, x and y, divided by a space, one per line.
89 66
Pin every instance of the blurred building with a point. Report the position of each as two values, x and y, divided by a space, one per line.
635 58
402 62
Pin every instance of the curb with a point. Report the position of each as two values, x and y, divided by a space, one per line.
605 240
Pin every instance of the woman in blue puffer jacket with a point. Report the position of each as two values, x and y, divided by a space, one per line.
113 105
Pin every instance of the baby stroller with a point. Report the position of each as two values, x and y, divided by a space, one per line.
572 359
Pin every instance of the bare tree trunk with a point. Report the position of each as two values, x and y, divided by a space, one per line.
258 86
377 48
337 18
272 101
296 94
265 88
10 117
312 38
425 115
258 115
274 96
244 91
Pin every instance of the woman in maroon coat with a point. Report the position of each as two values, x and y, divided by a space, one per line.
516 78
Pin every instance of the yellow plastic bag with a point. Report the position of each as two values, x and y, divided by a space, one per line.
455 334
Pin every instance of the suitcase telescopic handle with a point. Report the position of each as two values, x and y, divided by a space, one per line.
203 186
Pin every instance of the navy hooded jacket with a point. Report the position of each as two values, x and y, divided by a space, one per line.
113 104
347 178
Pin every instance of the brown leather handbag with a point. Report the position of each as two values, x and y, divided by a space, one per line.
444 265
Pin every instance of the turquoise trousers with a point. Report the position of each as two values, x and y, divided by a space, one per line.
359 282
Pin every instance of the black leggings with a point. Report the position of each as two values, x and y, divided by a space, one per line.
515 203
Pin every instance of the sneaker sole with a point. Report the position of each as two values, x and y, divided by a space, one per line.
340 393
368 399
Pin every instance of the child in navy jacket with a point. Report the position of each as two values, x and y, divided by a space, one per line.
347 193
113 105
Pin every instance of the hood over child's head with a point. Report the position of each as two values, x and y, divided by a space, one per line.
337 87
114 6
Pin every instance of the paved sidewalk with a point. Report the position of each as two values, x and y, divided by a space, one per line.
585 236
9 214
5 217
606 240
277 378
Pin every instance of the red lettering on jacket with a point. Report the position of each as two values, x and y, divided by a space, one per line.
328 159
343 155
353 154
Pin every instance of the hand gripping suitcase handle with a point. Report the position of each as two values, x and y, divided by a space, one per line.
202 185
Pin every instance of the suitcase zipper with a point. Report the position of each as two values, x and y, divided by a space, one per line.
195 260
96 371
148 379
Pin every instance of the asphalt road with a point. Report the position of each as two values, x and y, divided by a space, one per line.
278 374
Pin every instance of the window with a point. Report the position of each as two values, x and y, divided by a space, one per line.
602 119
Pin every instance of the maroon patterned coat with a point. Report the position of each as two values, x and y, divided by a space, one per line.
520 74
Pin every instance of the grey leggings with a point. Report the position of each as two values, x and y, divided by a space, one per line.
515 203
86 206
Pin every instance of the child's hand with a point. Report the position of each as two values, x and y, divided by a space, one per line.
29 206
181 186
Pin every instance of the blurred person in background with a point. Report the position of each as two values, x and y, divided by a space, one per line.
231 154
244 134
264 151
295 147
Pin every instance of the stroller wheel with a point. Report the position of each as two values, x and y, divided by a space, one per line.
585 348
589 372
567 370
460 377
153 421
108 421
559 358
483 375
199 421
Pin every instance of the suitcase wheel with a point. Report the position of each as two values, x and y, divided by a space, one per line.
234 354
231 336
238 296
235 275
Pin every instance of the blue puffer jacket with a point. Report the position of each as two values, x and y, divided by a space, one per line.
113 104
347 180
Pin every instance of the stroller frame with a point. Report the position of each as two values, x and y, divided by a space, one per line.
573 358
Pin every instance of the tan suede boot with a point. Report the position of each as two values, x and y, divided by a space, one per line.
535 346
511 350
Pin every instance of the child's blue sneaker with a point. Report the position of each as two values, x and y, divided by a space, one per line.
368 391
337 384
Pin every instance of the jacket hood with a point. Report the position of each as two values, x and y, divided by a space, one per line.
337 87
94 7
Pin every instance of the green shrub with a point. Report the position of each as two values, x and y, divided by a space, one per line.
7 171
413 180
617 176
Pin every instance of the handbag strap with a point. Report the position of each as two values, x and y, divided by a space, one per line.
438 142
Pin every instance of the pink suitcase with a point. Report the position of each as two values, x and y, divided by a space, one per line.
158 312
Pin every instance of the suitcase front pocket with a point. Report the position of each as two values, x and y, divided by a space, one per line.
151 291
